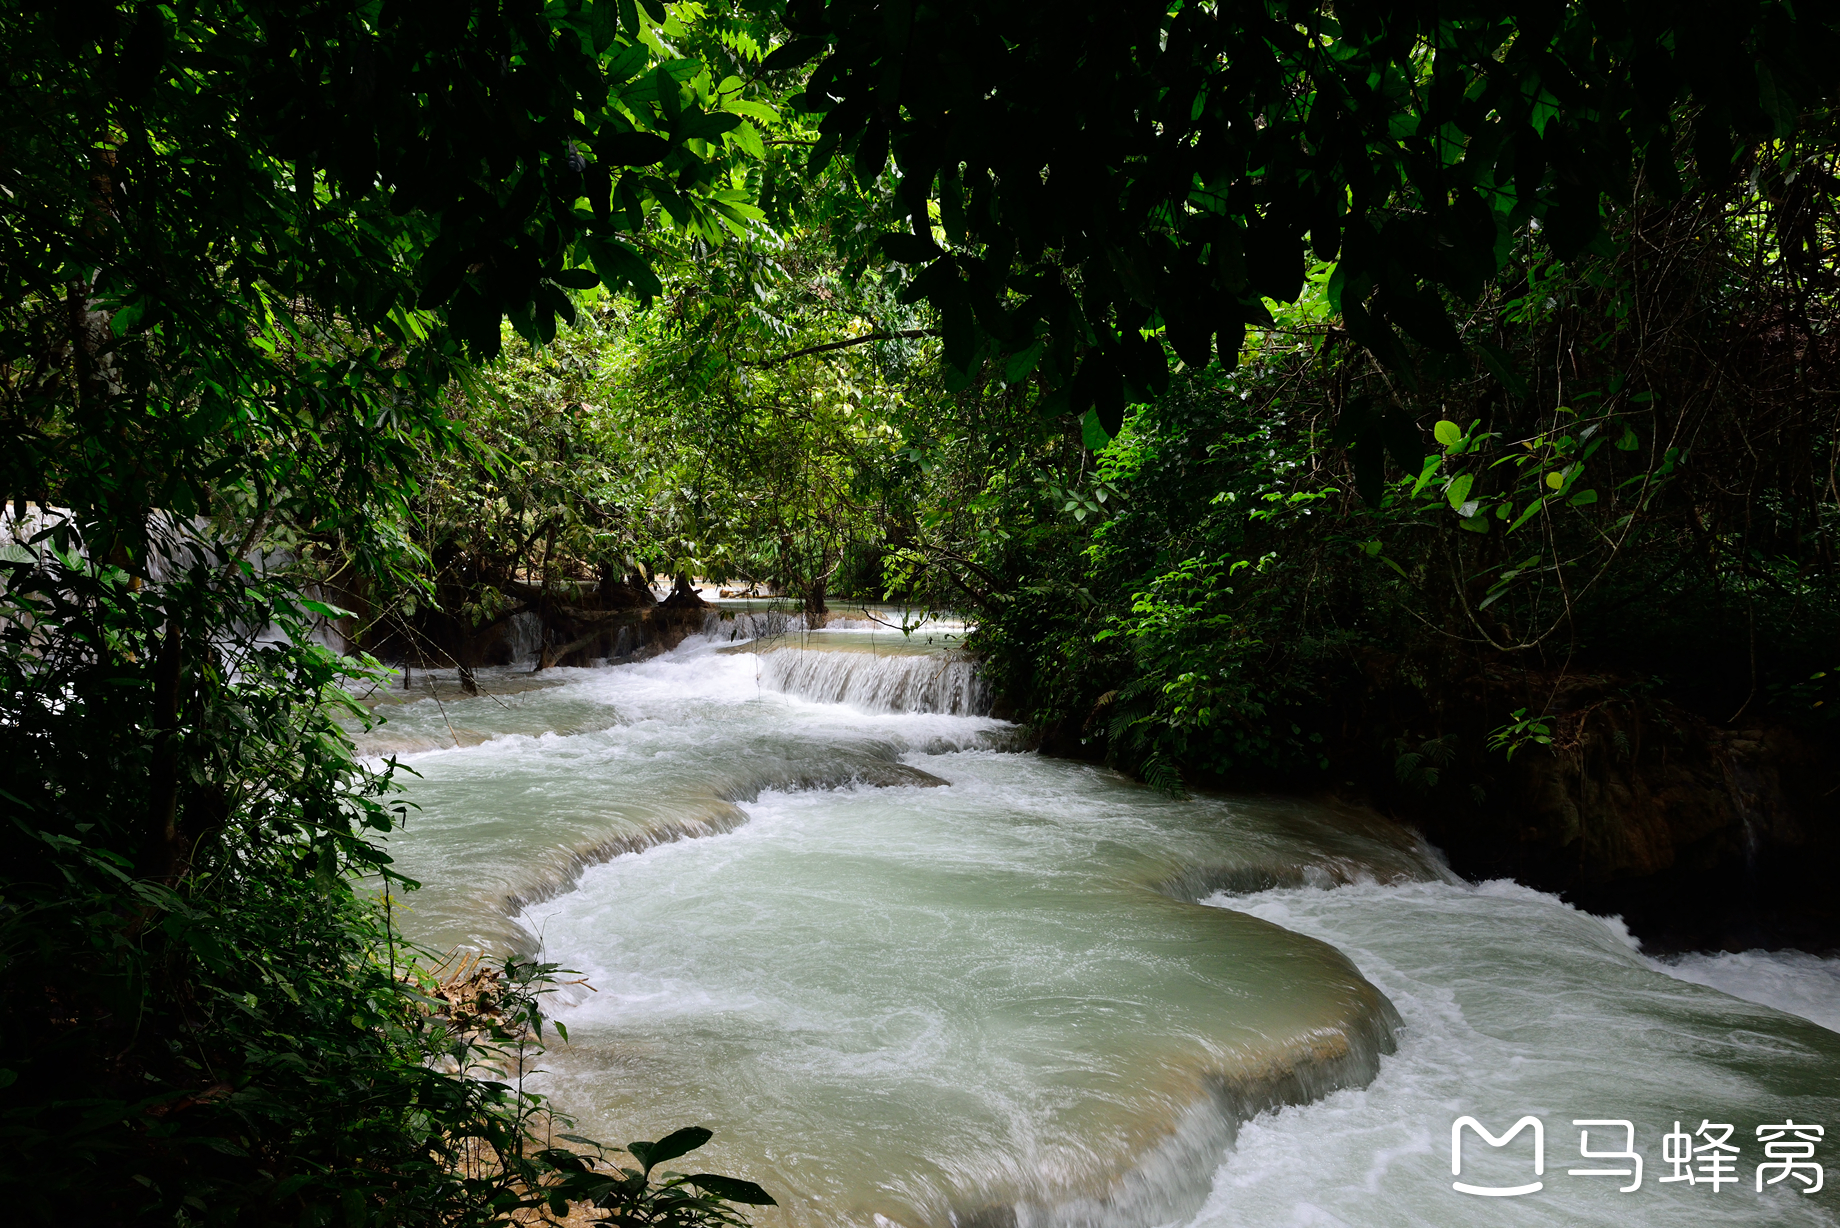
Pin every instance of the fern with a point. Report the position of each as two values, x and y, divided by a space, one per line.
1138 685
744 38
1161 774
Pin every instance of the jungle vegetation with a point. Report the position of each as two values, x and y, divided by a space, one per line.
1290 392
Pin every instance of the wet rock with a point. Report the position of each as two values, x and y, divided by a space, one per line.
1700 836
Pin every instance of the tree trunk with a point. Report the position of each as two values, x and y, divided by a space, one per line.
166 851
683 595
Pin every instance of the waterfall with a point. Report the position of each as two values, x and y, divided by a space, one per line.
524 634
1007 991
903 683
752 624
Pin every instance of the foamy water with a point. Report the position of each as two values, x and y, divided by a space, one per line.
1792 981
997 999
1513 1004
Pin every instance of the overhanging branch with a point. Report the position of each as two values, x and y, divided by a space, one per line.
896 335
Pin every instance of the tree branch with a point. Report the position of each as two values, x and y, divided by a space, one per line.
849 341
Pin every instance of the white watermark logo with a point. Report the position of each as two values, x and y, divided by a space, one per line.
1707 1156
1482 1132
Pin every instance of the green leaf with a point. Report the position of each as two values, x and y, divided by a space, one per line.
619 265
1023 362
760 112
126 317
577 279
1779 108
524 322
677 1143
1583 497
1527 515
1475 524
733 1189
706 126
791 54
1458 490
1092 433
1501 364
822 153
628 59
288 1185
1629 442
606 24
210 952
669 92
1447 433
908 249
746 138
1432 465
630 148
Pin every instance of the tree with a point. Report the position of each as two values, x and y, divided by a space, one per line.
1079 178
769 389
248 250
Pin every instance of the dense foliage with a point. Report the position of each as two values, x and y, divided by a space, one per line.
1641 496
1076 174
749 424
1502 349
245 249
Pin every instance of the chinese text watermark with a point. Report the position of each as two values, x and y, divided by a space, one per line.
1708 1156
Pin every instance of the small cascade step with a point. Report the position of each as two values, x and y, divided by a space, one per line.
895 683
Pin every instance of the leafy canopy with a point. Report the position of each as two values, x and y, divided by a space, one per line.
1079 176
246 250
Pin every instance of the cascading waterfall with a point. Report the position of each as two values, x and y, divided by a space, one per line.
524 633
524 636
875 683
912 978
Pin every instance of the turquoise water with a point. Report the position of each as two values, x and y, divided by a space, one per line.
912 976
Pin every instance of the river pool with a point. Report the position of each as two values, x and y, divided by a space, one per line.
911 974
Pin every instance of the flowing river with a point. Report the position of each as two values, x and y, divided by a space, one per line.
913 976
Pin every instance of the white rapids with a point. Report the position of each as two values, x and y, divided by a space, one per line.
912 977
